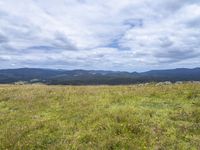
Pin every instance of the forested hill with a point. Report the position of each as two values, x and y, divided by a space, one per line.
95 77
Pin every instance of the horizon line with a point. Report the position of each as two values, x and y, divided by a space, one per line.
57 69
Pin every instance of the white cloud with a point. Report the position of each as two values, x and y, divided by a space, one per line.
118 35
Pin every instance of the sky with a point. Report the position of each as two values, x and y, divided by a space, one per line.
124 35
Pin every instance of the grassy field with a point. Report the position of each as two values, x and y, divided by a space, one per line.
100 117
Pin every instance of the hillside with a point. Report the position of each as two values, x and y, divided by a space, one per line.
95 77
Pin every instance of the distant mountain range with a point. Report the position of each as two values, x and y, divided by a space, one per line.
95 77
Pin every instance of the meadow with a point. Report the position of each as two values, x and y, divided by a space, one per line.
164 117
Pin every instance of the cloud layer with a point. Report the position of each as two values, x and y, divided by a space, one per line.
101 34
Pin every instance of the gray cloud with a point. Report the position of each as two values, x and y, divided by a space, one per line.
3 39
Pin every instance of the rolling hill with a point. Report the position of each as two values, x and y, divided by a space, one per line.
95 77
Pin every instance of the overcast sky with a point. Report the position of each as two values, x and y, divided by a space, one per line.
131 35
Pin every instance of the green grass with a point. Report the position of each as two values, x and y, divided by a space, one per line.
100 117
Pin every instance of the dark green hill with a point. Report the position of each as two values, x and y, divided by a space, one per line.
95 77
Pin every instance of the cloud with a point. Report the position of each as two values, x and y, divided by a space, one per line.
3 39
118 35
